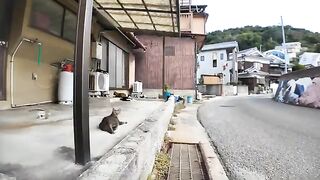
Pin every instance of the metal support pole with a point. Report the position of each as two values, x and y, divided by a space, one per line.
196 69
284 46
163 63
80 92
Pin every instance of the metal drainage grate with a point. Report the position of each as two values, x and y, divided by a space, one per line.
186 162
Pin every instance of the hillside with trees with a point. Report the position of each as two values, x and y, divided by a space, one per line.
267 37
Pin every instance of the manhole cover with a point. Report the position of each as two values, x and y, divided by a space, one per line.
186 162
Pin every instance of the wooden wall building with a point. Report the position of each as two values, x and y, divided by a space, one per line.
179 62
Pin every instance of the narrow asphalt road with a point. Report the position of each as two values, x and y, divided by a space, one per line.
258 138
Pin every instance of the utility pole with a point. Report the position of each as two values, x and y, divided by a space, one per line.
284 47
235 66
260 47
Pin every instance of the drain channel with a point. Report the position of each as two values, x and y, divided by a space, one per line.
186 162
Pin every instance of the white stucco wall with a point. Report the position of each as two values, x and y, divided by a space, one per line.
206 66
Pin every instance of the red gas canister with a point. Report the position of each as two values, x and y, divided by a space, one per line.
68 68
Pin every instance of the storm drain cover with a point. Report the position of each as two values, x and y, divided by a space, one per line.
186 162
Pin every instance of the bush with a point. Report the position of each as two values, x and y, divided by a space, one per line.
298 67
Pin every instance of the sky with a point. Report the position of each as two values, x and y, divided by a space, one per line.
224 14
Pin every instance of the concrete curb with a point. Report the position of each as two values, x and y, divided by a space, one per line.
212 163
134 156
214 167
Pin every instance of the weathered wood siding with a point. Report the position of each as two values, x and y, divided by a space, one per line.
180 69
179 62
149 63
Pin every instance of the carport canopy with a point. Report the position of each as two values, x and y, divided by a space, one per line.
141 15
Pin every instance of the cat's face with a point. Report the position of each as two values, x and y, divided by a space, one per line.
116 111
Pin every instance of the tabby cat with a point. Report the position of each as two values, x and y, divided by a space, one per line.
110 123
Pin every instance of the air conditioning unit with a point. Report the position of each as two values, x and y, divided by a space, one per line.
99 81
137 87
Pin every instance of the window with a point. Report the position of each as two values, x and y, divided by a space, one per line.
221 56
70 25
202 58
214 63
53 18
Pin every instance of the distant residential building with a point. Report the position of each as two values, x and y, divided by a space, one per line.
214 59
253 68
277 63
309 59
293 48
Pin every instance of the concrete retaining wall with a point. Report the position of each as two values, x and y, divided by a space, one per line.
223 90
133 157
243 90
228 90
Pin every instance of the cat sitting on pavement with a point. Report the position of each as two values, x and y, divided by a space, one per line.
110 123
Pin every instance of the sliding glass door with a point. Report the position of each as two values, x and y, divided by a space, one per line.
117 62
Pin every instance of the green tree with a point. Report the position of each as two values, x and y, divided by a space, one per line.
268 37
297 67
317 48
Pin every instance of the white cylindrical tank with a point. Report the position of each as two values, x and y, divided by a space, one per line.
65 90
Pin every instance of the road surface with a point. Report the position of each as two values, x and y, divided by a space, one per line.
258 138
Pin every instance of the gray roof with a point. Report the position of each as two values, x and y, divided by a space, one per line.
223 45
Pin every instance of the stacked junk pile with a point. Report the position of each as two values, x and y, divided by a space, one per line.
98 80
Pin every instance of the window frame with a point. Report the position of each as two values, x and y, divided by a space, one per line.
216 63
60 36
63 24
125 57
221 56
202 58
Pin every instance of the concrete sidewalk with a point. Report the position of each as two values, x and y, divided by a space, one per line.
189 130
36 149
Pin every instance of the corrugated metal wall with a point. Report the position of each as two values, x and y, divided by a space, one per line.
179 62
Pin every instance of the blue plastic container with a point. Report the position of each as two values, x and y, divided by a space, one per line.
189 99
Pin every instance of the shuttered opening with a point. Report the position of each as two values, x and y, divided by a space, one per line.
115 62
